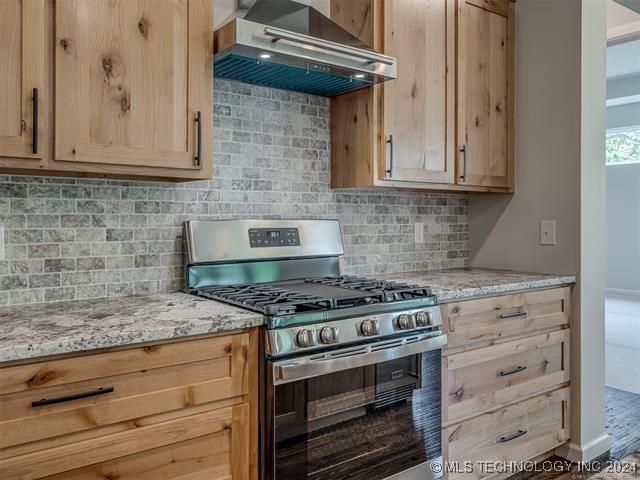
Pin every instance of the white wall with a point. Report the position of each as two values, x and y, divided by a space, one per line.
623 227
560 124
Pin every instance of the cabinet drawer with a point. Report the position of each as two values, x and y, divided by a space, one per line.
211 445
489 319
487 378
515 433
104 389
201 458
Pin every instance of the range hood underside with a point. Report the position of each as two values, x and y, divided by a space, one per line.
254 53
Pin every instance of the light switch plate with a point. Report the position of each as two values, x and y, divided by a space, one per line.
547 232
419 231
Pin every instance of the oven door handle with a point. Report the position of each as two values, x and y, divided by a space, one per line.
286 371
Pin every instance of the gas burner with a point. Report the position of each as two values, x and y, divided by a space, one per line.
268 299
389 290
314 294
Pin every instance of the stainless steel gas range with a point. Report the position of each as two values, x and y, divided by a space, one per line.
350 384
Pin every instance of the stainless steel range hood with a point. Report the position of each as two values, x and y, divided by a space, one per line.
289 45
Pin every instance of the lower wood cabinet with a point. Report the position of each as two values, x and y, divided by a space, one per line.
174 410
506 378
484 321
491 377
207 457
518 432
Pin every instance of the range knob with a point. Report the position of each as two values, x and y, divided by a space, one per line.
404 321
305 338
423 318
369 328
329 335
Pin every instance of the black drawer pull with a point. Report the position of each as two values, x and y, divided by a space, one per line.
504 316
69 398
35 120
518 434
505 373
198 139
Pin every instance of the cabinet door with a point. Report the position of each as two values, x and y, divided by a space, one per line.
132 76
22 33
418 105
210 445
485 93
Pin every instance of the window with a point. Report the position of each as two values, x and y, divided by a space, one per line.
623 145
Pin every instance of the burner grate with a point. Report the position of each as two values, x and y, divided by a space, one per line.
389 290
285 299
272 300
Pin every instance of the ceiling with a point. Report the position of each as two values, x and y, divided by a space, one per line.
622 23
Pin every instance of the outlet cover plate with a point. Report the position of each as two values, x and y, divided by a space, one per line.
547 232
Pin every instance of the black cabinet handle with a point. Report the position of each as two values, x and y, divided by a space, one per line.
35 120
463 150
505 316
389 170
198 157
69 398
505 373
518 434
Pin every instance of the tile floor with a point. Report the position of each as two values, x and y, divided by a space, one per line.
622 327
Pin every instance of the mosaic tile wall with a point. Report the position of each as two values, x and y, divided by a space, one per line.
69 239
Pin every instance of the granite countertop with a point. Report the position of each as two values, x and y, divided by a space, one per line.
29 331
465 283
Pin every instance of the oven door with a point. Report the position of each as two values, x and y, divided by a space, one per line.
366 412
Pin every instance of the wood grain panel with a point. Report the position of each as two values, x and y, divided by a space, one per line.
22 51
69 370
11 74
134 395
544 418
416 104
101 449
485 102
203 458
479 380
483 321
129 80
355 16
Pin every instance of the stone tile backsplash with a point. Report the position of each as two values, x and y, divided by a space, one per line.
69 239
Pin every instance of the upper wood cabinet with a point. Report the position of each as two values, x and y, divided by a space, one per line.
437 126
415 117
22 78
398 133
131 81
486 93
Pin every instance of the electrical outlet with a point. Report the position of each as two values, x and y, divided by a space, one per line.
419 230
547 232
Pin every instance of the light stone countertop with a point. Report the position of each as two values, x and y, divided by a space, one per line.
29 331
466 283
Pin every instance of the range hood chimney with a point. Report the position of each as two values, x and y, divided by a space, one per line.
289 45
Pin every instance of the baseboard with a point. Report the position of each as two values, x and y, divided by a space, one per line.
622 292
584 453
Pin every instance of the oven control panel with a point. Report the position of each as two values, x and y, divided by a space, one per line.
273 237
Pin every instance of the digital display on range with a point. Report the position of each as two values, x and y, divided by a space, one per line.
270 237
